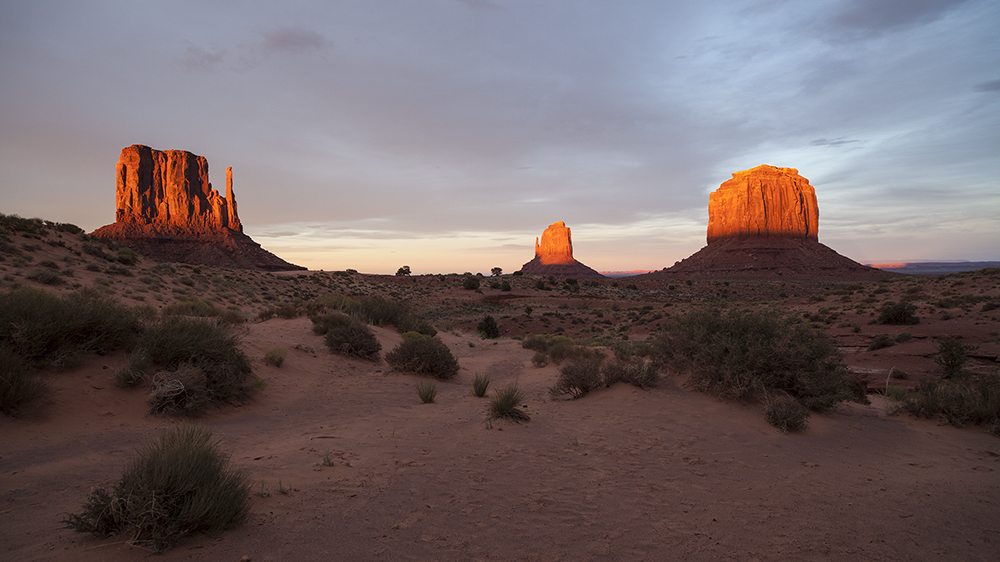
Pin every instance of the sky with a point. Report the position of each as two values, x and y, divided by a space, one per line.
447 134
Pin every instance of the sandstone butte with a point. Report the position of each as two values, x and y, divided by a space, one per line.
165 208
765 201
554 255
764 223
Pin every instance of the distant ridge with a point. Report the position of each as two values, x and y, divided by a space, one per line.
934 267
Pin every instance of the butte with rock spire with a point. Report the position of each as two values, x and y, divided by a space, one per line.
554 255
165 208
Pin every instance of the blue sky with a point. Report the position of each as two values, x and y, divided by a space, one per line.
446 134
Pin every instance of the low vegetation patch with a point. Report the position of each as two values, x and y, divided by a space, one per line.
952 355
898 314
422 354
20 385
750 355
488 327
275 356
427 391
587 373
785 413
972 399
175 486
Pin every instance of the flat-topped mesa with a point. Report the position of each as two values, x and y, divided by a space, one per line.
764 202
556 245
171 187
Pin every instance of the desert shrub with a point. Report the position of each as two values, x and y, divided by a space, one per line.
557 348
540 359
898 314
126 256
45 276
133 372
384 312
351 337
424 355
973 399
578 378
46 329
952 355
881 341
19 384
175 486
196 307
115 269
785 413
275 356
470 283
480 383
641 374
488 327
49 264
990 306
427 391
506 404
212 347
747 355
95 250
323 323
505 286
904 337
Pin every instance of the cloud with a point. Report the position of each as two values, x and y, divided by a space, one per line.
991 86
833 142
198 59
872 18
292 40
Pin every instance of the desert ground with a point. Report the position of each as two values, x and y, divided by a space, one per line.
347 463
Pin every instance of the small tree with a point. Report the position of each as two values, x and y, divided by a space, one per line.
403 271
952 355
496 271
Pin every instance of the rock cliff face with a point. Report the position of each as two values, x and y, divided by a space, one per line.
171 187
166 209
554 255
764 202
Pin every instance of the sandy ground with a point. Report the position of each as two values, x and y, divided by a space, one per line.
622 474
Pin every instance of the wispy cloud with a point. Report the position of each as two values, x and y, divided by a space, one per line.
292 40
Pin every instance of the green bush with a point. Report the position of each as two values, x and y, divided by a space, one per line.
424 355
480 383
19 384
48 330
747 355
488 327
175 486
427 391
506 404
348 336
275 356
211 347
974 399
952 355
786 413
898 314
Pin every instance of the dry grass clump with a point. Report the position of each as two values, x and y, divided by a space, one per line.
480 383
552 348
427 391
176 485
275 356
423 355
506 403
748 355
971 399
588 373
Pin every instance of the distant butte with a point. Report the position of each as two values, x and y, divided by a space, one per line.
764 223
166 209
554 255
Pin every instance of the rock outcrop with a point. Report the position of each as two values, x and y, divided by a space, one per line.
765 202
554 255
764 223
166 209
